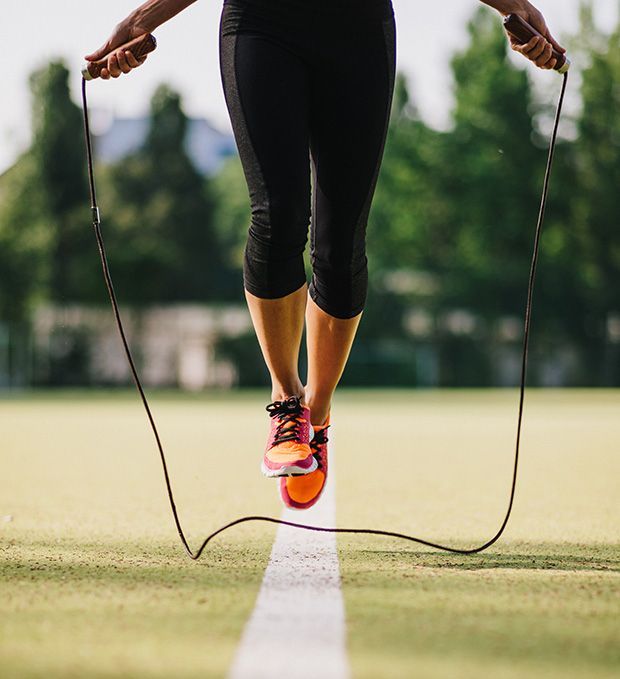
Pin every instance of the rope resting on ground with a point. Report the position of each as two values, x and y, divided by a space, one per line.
195 554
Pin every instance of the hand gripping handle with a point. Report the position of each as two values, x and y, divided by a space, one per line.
524 32
139 47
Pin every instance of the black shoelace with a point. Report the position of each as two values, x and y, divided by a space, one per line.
319 439
289 414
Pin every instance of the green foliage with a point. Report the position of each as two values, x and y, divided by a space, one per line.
232 211
455 204
43 239
60 179
24 241
408 222
595 204
493 177
598 149
57 145
450 231
161 237
454 211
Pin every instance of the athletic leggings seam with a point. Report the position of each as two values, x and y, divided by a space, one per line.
364 210
242 122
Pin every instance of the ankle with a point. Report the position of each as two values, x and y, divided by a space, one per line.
318 417
319 408
281 392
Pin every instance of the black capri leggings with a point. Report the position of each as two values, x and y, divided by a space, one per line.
308 84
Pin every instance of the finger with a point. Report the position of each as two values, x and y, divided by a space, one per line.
113 66
524 48
554 42
551 64
131 60
98 54
545 56
122 61
105 74
538 49
538 22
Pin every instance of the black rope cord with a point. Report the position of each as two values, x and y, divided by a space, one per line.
267 519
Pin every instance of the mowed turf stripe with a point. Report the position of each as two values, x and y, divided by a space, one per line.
297 629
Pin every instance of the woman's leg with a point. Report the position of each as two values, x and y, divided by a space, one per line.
279 326
347 140
266 88
329 342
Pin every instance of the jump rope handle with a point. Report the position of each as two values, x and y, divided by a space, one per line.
139 47
524 32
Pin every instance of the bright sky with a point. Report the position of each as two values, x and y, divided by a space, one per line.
35 31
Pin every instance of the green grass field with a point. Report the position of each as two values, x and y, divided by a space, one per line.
94 583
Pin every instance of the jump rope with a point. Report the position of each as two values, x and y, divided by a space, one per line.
139 47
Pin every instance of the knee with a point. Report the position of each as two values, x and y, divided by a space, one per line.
279 225
340 289
273 258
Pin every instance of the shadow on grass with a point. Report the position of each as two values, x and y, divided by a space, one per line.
225 564
115 563
527 556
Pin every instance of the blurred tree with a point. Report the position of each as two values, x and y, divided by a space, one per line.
405 220
162 243
451 226
24 241
409 215
232 219
44 234
59 182
493 176
455 211
594 198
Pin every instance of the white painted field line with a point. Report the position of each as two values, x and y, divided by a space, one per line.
297 629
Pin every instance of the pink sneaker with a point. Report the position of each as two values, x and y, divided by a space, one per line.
304 491
288 451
